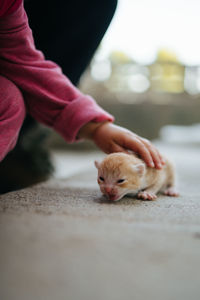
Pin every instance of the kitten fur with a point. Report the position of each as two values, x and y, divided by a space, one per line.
120 174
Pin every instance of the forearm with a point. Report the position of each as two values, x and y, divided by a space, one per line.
49 96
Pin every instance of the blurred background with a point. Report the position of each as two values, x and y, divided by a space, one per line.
146 71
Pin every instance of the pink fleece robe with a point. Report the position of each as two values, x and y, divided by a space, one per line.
48 94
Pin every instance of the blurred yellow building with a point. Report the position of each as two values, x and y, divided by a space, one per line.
167 73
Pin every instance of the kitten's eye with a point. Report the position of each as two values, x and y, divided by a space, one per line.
120 180
101 178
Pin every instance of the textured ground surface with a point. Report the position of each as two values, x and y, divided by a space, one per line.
58 240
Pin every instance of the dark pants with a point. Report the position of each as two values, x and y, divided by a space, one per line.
68 32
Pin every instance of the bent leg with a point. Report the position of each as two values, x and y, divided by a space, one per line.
72 30
29 162
12 113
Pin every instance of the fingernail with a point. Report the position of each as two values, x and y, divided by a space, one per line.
163 161
152 165
159 166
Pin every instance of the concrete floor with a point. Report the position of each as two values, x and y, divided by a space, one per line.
59 241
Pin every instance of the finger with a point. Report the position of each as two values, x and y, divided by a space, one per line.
162 159
140 148
160 156
157 159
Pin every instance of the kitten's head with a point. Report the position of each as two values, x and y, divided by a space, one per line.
119 174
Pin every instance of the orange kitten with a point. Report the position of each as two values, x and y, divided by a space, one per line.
120 174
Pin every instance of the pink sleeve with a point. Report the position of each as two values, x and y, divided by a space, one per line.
49 96
8 6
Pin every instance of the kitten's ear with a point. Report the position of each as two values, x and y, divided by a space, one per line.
97 164
139 168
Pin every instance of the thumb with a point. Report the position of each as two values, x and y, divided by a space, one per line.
117 148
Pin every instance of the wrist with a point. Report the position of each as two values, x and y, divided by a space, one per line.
88 130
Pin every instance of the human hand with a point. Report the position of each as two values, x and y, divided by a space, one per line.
112 138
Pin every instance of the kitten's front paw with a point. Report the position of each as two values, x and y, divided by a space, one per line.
146 195
171 192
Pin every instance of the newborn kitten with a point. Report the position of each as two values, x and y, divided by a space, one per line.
120 174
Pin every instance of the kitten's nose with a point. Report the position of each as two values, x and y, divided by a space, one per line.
108 189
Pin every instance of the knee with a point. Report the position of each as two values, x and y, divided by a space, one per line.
106 8
12 114
112 6
12 108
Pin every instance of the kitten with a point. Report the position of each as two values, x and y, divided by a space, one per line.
120 174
